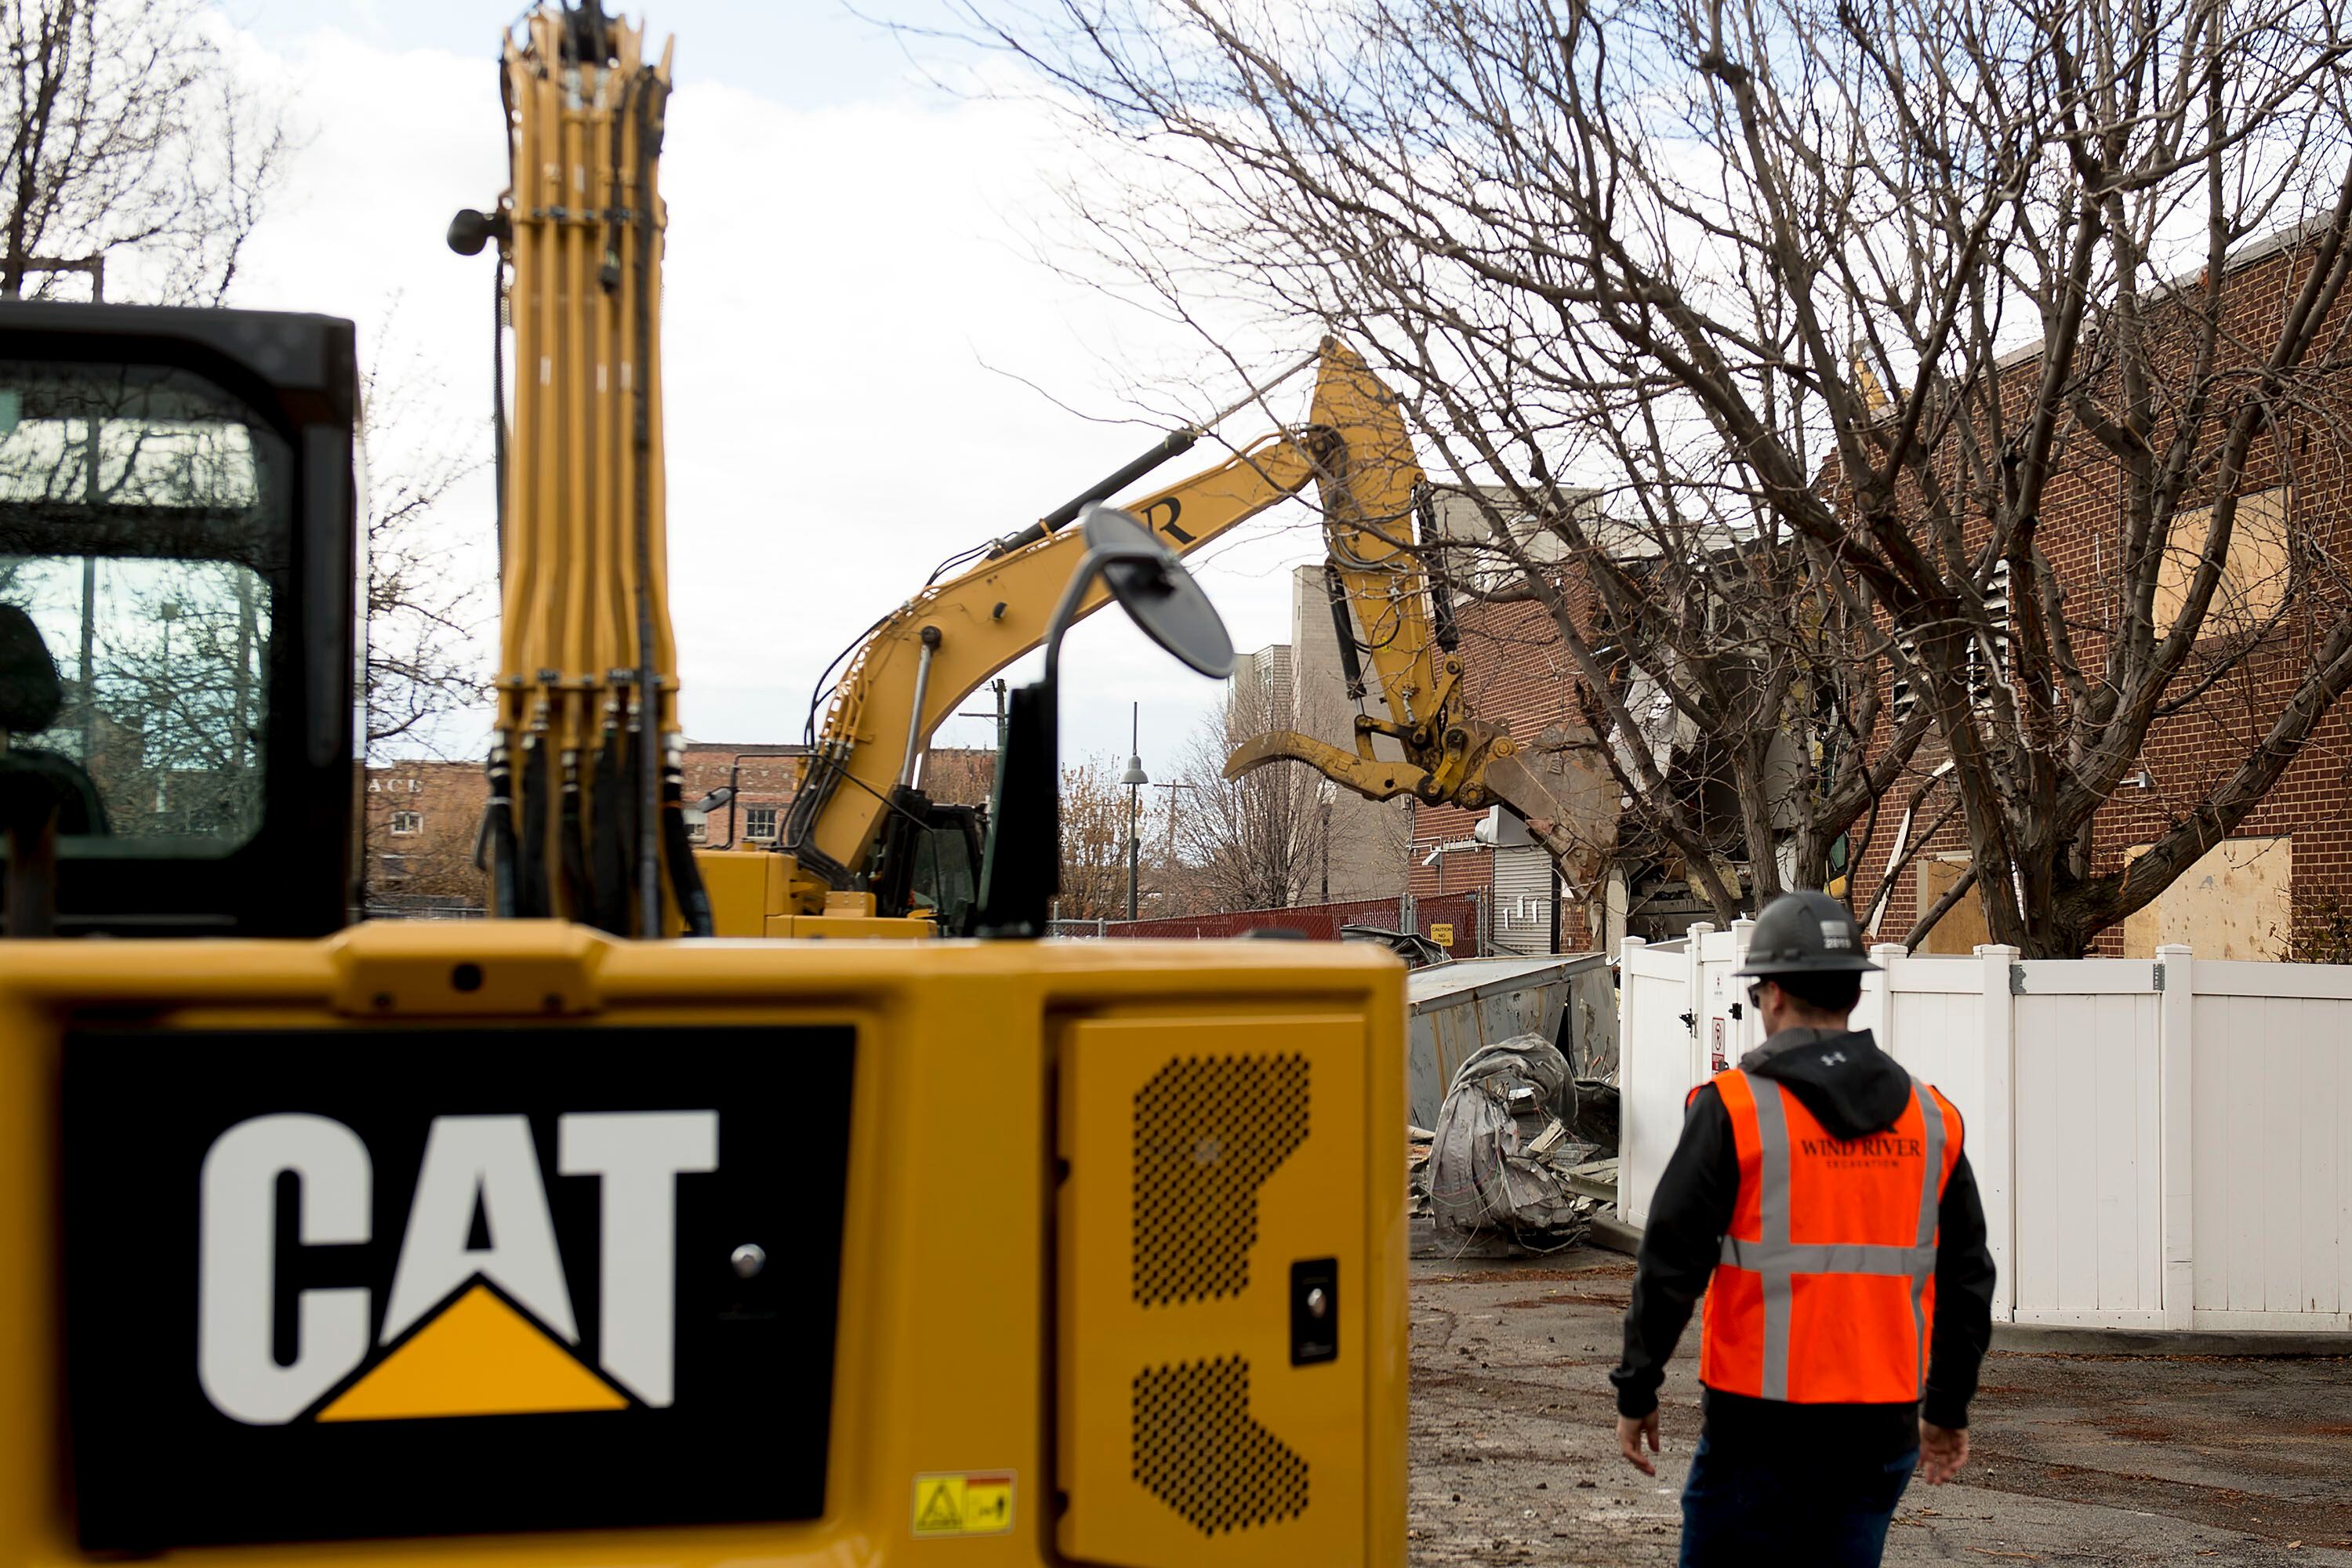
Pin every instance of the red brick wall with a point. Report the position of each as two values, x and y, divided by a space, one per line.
432 869
1517 673
421 822
763 782
1322 922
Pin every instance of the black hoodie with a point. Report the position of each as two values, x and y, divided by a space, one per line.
1853 1088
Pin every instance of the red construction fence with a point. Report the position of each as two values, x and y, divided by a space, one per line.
1438 916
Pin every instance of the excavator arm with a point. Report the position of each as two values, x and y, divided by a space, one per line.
920 664
1385 606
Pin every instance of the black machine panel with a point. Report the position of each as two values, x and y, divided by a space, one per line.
395 1282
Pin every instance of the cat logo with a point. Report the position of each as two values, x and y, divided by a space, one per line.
478 1317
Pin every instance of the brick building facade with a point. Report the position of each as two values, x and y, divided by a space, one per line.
1516 672
420 823
764 778
2282 881
2286 869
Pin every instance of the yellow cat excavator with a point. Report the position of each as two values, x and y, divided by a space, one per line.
520 1244
861 829
867 852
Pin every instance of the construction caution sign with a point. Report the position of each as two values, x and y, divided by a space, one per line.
582 1278
963 1504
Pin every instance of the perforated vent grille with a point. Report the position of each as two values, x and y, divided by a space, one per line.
1209 1131
1197 1449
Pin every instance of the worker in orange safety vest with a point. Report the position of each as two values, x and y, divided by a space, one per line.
1821 1199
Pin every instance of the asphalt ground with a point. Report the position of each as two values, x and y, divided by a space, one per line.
2076 1459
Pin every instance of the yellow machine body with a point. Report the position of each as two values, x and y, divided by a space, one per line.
758 892
1080 1182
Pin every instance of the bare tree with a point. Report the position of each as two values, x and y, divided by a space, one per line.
1255 842
1095 829
129 139
428 604
1879 288
1733 680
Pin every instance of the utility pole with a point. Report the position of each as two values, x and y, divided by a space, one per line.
1168 860
1134 779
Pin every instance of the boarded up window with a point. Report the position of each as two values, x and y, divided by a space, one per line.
2253 576
2235 902
1963 925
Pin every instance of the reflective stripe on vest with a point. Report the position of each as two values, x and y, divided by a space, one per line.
1777 1261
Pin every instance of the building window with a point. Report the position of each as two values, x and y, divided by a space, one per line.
405 823
1984 676
394 867
758 821
2257 570
698 833
1900 698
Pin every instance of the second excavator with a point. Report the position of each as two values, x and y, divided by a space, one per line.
865 844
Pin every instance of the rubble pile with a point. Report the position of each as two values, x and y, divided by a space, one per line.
1501 1164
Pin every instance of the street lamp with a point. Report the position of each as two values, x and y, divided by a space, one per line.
1134 779
1326 792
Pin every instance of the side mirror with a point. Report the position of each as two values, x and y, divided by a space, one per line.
1021 870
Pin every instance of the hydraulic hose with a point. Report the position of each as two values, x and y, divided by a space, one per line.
530 898
685 877
607 849
571 850
498 832
1175 444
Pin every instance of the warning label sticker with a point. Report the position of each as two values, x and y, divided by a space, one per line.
964 1503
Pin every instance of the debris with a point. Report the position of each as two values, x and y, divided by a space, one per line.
1595 1121
1501 1161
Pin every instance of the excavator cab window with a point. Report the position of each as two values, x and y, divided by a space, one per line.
929 861
947 869
176 650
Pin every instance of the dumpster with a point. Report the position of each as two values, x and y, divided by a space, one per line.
1454 1008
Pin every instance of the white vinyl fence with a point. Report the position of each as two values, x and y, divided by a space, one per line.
2161 1143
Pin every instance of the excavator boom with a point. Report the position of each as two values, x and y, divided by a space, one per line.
584 817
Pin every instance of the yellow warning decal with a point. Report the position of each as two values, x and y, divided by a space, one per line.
963 1503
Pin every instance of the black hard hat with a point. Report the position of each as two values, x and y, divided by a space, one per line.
1804 934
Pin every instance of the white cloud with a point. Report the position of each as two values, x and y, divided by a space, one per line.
841 282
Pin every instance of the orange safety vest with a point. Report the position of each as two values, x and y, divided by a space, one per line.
1825 1293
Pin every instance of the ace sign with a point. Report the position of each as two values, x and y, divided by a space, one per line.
306 1269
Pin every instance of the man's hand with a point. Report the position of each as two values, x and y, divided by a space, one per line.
1943 1450
1633 1429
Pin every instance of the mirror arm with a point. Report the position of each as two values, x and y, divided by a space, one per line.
1067 610
1020 867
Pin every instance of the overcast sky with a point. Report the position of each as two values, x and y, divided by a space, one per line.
860 340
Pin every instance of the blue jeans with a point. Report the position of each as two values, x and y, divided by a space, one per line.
1805 1508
